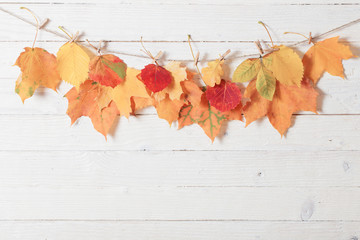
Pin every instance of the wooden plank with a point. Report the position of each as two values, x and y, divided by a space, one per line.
122 21
180 203
179 230
337 96
59 169
192 2
148 132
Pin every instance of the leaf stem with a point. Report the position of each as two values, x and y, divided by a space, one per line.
98 50
308 38
147 52
37 23
263 24
196 59
62 29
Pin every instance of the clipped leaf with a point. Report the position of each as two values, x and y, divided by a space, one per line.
286 101
265 83
286 66
131 87
155 77
247 70
225 96
326 55
213 73
73 63
108 70
38 68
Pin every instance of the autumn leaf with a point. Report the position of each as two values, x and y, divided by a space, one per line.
104 119
326 55
138 103
255 68
206 116
265 83
174 89
169 109
108 70
82 102
224 96
247 70
131 87
236 113
192 91
73 63
286 101
85 102
38 68
155 77
285 65
213 72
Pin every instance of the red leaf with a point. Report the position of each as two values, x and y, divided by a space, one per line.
224 96
155 77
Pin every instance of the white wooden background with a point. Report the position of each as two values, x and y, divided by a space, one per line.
149 181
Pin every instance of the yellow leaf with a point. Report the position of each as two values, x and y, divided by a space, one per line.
73 63
286 66
213 73
131 87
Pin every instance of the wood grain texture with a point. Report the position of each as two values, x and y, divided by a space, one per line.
218 22
179 203
149 133
98 169
164 230
149 181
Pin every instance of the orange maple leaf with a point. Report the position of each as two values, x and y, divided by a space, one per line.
38 68
326 56
286 101
87 102
192 91
169 109
236 113
138 103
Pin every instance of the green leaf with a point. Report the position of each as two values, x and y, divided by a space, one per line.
247 70
265 83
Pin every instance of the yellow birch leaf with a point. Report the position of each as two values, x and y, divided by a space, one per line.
286 65
73 63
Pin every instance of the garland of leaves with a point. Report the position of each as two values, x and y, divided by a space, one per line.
280 82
